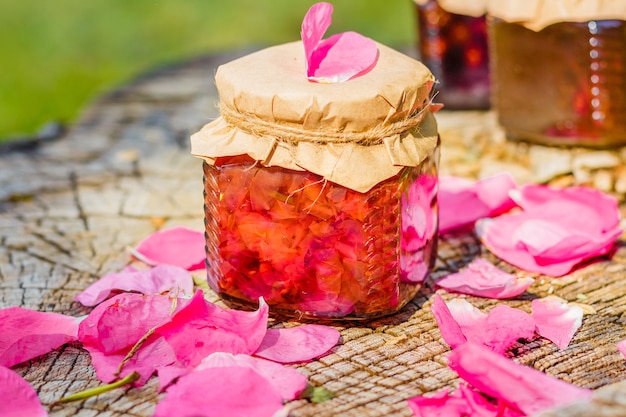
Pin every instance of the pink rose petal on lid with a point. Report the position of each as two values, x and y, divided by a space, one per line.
219 392
178 246
463 201
519 386
297 344
556 320
161 278
26 334
286 381
621 346
338 58
202 328
483 279
557 229
17 397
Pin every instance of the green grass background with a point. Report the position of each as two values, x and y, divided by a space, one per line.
57 55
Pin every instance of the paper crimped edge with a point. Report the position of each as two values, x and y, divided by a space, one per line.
537 14
271 85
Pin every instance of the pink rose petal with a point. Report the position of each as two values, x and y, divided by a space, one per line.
17 397
449 328
219 392
521 387
161 278
621 346
557 229
482 278
202 328
462 201
26 334
178 246
297 344
338 58
288 382
556 320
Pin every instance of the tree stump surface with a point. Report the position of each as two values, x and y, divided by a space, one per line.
70 208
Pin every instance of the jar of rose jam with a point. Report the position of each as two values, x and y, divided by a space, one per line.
320 198
560 75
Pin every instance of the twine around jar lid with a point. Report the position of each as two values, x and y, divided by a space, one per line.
355 133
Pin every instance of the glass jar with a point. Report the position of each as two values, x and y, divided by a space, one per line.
562 85
313 248
454 47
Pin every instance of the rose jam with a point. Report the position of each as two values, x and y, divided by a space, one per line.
314 248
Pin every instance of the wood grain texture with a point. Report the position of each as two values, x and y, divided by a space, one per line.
70 208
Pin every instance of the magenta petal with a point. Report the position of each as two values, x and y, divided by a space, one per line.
178 246
286 381
202 328
504 326
17 397
449 328
556 320
463 402
219 392
297 344
482 278
157 280
315 23
519 386
26 334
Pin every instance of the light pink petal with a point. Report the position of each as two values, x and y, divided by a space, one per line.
170 373
462 201
178 246
26 334
462 402
219 392
504 326
17 397
297 344
556 320
621 346
519 386
155 353
121 321
314 25
450 330
202 328
342 57
482 278
286 381
161 278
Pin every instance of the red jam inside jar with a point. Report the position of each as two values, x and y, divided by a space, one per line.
313 248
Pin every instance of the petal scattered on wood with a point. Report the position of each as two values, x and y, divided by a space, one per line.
286 381
465 401
178 246
519 386
221 391
297 344
557 229
463 201
17 397
557 320
449 328
26 334
202 328
621 346
156 280
338 58
482 278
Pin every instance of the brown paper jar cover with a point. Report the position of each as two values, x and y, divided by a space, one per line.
356 133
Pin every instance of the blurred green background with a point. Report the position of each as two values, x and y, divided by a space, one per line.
57 55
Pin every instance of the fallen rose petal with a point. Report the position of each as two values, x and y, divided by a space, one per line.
504 326
449 328
177 246
17 397
338 58
519 386
297 344
463 402
483 279
556 320
463 201
159 279
221 391
201 328
557 229
26 334
621 346
288 382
